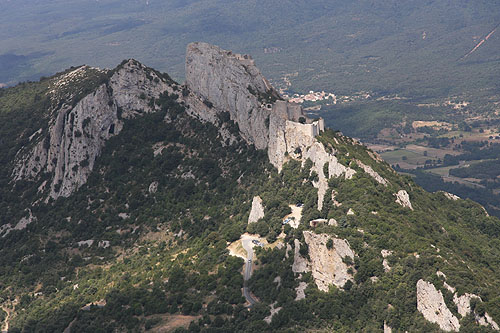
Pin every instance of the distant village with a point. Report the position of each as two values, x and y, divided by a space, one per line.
329 98
312 96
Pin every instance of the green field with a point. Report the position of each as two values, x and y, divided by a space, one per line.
412 158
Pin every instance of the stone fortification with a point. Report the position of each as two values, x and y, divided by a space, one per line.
220 81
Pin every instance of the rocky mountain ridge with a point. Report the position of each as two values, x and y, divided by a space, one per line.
77 133
381 235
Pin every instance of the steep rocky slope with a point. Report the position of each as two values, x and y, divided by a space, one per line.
149 181
78 131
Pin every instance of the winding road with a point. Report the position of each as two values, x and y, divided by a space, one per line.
248 246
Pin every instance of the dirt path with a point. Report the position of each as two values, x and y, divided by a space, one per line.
481 42
5 323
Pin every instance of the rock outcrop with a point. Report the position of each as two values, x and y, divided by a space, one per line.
385 263
21 224
369 170
486 320
403 198
464 308
430 303
290 132
273 312
463 303
319 156
257 211
227 82
300 264
327 261
219 81
387 328
301 291
450 196
78 133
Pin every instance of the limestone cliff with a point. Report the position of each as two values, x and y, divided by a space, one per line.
227 82
300 264
327 262
219 82
319 156
430 303
464 308
77 133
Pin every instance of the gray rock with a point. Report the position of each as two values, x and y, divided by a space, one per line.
430 303
257 211
227 82
403 198
78 134
327 265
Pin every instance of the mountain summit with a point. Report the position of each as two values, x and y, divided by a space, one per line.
128 202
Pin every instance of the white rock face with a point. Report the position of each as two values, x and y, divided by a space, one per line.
277 280
385 263
153 187
232 83
464 308
463 303
104 244
368 169
387 328
430 303
403 198
486 320
134 86
21 224
301 291
220 81
274 311
287 135
386 253
77 134
257 211
319 156
333 222
326 264
451 196
446 285
300 264
87 243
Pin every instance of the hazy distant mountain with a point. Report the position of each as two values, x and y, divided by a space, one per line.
409 47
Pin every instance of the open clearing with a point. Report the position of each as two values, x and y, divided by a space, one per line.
296 215
173 322
413 156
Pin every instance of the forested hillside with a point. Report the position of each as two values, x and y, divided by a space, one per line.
412 48
146 241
